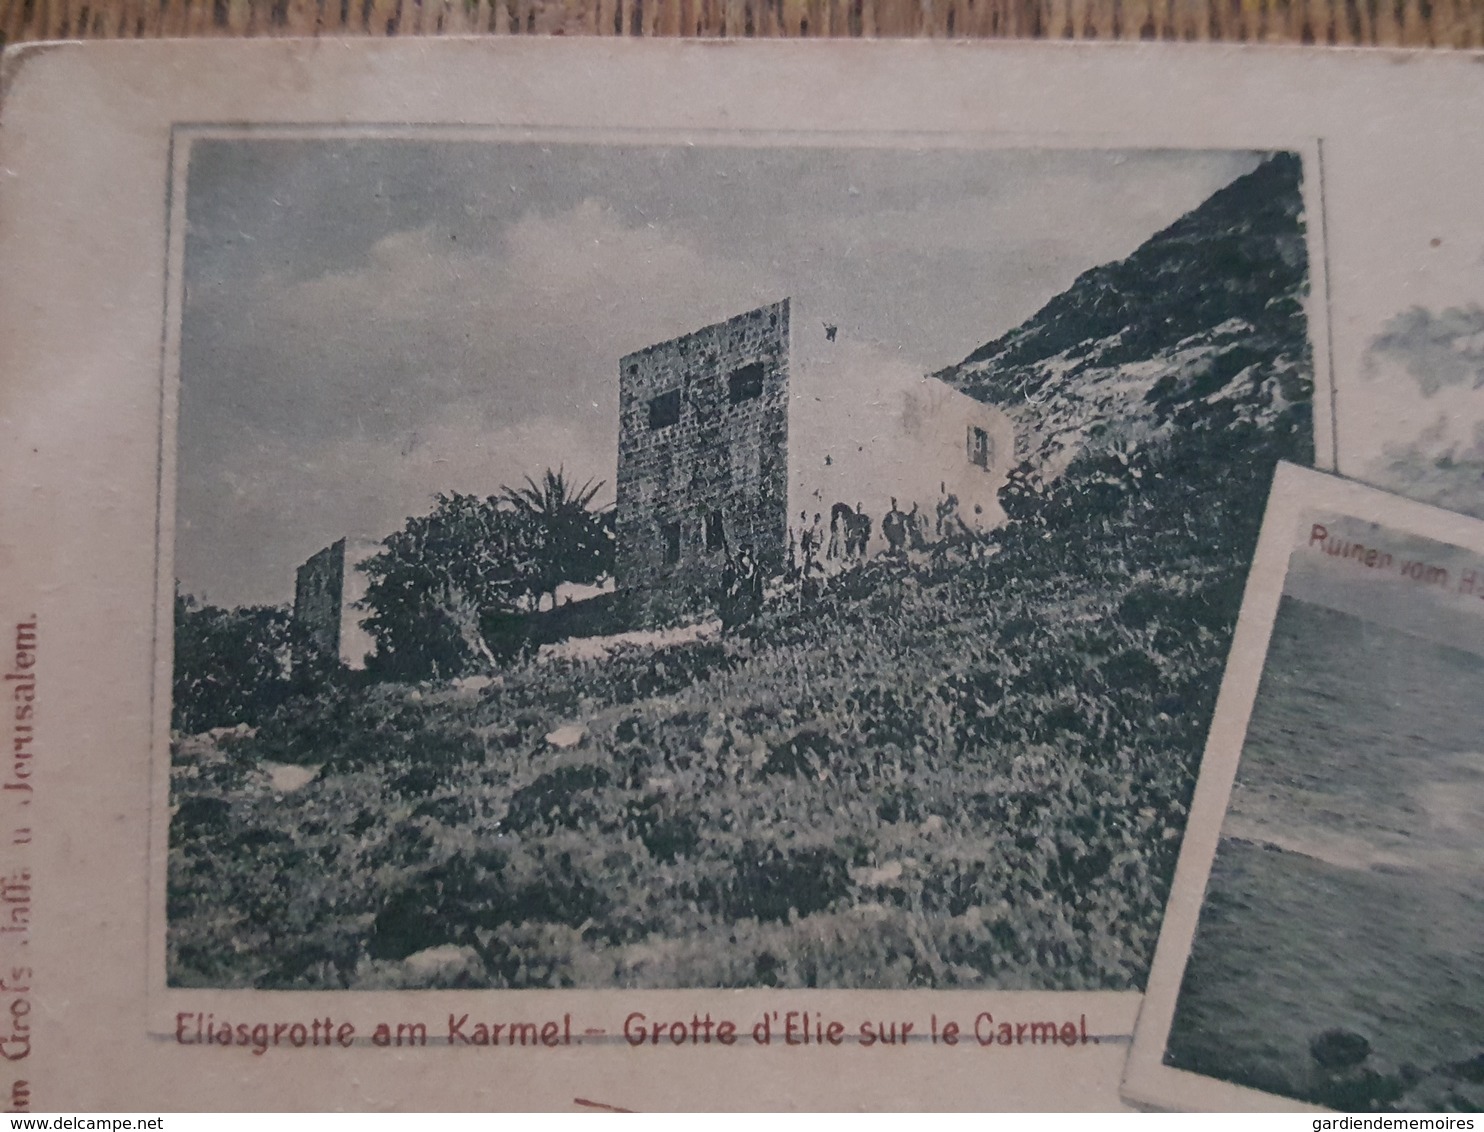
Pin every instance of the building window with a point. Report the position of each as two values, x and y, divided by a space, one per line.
670 536
716 534
981 448
664 410
746 383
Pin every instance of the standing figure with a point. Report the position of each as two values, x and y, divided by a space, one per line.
860 533
726 604
847 528
816 542
916 535
894 529
741 590
800 536
841 517
752 583
951 524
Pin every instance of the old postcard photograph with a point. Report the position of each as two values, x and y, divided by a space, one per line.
667 637
1336 958
660 578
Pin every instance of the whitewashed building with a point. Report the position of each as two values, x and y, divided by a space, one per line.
864 432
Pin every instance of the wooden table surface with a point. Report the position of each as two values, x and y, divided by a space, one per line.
1424 23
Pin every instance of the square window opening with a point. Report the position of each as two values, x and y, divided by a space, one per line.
981 448
664 410
746 383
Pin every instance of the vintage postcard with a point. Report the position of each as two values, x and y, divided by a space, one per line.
645 652
1335 952
560 574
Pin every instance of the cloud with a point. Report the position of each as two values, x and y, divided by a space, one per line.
1437 454
534 323
1438 467
424 368
1434 350
246 523
980 255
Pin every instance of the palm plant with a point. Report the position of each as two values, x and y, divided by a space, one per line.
574 539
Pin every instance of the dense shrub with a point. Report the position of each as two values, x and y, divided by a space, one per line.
232 666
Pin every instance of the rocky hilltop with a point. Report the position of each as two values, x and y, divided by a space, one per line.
1202 327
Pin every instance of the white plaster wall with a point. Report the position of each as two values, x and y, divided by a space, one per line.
864 428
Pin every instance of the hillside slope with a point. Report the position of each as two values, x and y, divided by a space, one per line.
967 769
1201 327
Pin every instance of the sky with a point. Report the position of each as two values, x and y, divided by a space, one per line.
369 321
1427 366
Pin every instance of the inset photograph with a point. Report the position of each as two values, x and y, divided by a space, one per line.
1338 959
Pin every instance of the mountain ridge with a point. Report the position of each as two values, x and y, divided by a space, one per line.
1203 325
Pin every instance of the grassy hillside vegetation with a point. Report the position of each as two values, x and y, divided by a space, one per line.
974 773
971 768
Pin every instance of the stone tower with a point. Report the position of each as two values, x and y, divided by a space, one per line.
702 458
327 589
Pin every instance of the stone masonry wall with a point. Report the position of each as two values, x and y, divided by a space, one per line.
722 454
319 587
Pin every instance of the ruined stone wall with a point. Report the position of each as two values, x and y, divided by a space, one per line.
319 588
703 440
327 591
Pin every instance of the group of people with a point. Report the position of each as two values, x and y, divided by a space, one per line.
815 551
811 552
850 531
